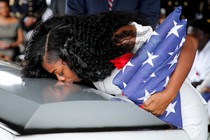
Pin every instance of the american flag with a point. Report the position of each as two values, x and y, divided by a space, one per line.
150 69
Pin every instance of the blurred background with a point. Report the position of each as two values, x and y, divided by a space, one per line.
191 8
30 12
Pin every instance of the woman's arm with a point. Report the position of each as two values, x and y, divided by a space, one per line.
158 102
19 38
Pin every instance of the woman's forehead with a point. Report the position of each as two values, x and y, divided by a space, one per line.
51 66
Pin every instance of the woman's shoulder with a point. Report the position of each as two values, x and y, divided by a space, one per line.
10 22
13 20
191 41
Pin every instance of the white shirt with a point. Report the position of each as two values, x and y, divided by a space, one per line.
206 82
201 65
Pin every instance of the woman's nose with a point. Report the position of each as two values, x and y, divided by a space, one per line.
60 78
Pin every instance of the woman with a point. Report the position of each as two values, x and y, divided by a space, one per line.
11 34
76 48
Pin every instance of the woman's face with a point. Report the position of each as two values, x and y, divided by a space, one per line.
61 70
4 9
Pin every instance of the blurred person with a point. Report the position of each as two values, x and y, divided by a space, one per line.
200 29
147 9
11 33
162 15
203 10
29 12
190 8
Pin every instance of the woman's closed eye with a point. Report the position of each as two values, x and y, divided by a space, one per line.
60 73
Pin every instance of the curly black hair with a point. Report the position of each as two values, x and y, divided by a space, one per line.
85 43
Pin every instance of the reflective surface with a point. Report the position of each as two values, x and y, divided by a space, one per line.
29 105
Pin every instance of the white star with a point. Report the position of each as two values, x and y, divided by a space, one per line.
153 75
182 42
171 53
153 33
124 85
128 64
150 58
146 96
174 30
170 108
174 61
177 47
167 80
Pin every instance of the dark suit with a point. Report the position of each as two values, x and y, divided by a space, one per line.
58 7
148 9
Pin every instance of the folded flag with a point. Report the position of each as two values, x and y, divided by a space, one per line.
150 69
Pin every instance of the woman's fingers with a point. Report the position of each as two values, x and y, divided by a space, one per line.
153 105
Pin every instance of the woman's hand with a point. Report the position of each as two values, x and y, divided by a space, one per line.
158 103
125 36
4 45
